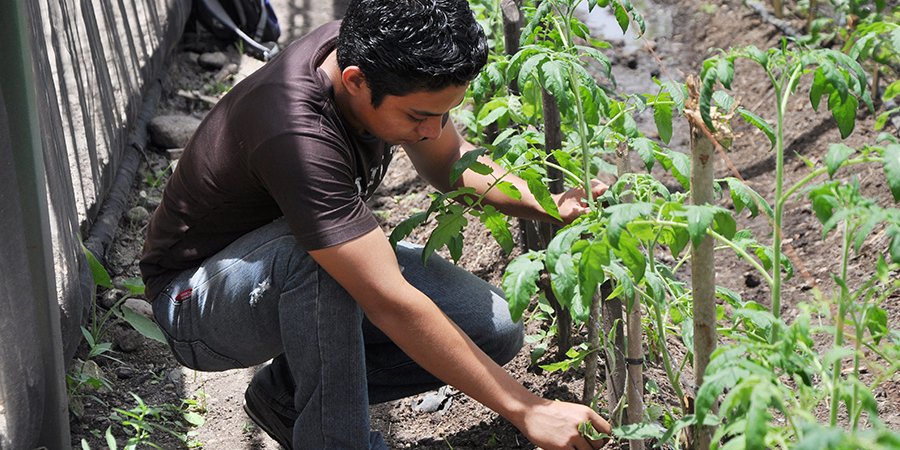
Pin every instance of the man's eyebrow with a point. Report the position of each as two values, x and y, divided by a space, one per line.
426 113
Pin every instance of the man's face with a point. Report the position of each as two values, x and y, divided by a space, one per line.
410 118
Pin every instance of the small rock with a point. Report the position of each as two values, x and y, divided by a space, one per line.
193 57
226 71
896 121
110 297
91 369
751 280
212 60
140 306
129 340
138 214
175 376
172 131
149 201
124 373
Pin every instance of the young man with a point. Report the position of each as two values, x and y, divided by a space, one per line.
264 248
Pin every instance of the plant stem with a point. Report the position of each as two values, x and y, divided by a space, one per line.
782 93
839 326
739 251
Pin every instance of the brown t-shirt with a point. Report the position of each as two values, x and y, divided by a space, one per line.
276 145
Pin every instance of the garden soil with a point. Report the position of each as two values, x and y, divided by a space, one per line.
680 34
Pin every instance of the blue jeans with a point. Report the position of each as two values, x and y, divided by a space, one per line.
263 296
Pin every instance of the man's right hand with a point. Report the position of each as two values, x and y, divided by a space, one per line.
557 425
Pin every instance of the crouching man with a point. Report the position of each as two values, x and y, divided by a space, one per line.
263 246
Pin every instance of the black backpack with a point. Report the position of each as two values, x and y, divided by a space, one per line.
252 21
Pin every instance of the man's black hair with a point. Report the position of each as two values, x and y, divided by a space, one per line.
405 46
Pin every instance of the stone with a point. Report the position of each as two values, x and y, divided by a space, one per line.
212 60
172 131
140 306
175 376
138 214
124 373
128 340
110 297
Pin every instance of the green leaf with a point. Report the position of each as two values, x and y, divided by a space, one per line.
134 285
110 439
529 66
404 228
892 90
450 224
555 78
758 417
193 418
629 252
892 169
98 272
837 154
894 233
544 198
590 267
662 115
678 93
818 89
646 430
493 115
759 123
725 224
706 93
699 219
143 325
497 224
564 280
520 283
725 70
509 189
455 247
621 16
877 323
680 240
562 244
464 162
621 215
761 57
723 101
679 164
646 149
844 113
742 196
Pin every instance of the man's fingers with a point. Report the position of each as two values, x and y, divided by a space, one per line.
600 424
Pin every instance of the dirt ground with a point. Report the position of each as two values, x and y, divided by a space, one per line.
680 34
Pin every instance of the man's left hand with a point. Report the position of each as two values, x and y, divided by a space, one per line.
573 203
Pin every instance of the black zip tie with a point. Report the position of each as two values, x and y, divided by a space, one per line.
635 361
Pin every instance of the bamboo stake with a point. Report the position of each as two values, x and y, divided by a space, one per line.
778 5
615 352
634 359
703 271
590 364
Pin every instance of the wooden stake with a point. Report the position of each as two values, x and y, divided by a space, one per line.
703 271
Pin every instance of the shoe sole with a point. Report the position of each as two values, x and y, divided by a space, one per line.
250 397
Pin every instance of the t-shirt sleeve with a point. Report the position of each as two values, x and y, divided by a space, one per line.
311 179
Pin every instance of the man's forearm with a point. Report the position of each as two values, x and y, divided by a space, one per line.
417 326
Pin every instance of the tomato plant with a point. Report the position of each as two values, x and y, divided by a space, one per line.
765 379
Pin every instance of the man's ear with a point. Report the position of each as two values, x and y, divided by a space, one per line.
354 80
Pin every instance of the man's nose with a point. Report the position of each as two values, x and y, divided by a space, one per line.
431 128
